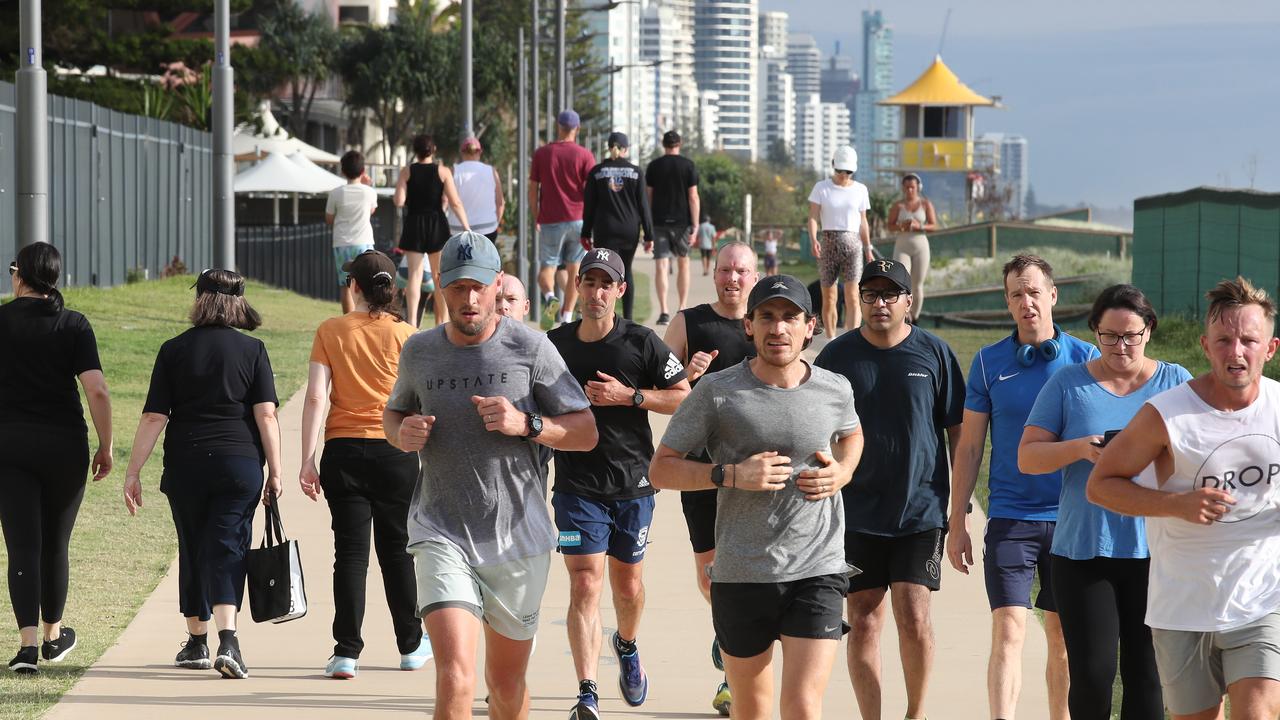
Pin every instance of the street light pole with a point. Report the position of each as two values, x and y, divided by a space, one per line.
561 87
537 101
224 208
468 124
32 130
522 171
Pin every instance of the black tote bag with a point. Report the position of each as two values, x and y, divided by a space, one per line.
276 590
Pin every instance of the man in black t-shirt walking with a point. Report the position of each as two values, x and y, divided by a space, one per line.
673 195
908 390
603 499
709 338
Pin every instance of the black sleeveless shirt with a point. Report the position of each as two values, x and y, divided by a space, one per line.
425 194
706 330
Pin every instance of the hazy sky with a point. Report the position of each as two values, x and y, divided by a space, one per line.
1117 99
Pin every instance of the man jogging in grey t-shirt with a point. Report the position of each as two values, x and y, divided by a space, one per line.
783 439
475 398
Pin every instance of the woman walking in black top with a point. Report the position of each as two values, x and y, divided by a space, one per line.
615 210
423 189
212 386
44 445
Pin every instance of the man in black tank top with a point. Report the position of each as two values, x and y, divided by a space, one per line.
709 338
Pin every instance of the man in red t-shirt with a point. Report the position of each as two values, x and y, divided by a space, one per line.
556 178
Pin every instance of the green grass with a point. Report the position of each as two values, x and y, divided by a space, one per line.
643 308
117 560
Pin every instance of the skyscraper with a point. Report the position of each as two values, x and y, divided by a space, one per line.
1013 169
821 127
777 117
804 62
618 42
725 50
773 33
872 121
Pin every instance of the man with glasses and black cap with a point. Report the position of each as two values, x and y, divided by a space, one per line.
476 397
615 210
783 439
909 391
672 181
603 498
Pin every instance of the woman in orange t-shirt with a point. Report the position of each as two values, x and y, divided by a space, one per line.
367 482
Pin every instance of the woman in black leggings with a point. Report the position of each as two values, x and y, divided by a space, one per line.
212 387
367 482
44 445
1100 559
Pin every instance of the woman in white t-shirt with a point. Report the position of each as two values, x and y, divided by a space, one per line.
348 210
841 204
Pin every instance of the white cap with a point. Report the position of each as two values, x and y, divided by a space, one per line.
846 158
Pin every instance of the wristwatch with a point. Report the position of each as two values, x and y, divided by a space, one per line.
717 476
534 422
637 398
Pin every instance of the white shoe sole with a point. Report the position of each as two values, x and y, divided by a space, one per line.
24 668
62 655
229 668
202 664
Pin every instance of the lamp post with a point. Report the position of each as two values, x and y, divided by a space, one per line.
224 209
468 125
32 130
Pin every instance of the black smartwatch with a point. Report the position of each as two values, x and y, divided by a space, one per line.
637 398
717 476
534 422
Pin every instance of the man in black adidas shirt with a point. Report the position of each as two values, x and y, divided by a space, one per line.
602 498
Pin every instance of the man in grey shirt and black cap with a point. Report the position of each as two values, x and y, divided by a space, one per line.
783 439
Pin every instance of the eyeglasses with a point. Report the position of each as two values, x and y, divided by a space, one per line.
1130 339
888 296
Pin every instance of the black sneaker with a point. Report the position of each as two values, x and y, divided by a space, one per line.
25 661
194 655
664 318
56 650
229 662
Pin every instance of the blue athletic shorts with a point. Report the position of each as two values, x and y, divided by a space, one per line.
1014 549
619 528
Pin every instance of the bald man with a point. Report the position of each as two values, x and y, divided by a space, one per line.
513 301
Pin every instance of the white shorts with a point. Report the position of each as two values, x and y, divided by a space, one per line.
507 596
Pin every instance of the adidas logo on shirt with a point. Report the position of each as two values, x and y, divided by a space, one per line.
673 366
644 482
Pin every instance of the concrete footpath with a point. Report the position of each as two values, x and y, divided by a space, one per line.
136 678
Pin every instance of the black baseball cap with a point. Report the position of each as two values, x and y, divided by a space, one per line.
780 286
603 259
368 267
891 270
670 138
618 140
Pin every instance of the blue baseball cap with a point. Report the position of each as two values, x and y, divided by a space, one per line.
469 255
568 119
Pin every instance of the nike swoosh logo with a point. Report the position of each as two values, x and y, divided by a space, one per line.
830 629
1006 377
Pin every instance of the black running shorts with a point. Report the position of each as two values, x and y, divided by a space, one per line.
915 559
700 515
748 617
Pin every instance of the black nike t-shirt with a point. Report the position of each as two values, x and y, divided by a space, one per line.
906 397
207 381
671 176
618 467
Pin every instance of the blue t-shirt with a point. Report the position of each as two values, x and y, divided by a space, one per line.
1073 404
1005 390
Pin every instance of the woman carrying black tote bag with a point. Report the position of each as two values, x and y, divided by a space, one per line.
277 592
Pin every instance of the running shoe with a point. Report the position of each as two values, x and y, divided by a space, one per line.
550 312
716 658
587 708
194 655
229 662
56 650
416 659
632 681
25 661
722 700
664 318
341 668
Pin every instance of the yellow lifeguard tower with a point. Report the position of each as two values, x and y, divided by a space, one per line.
937 140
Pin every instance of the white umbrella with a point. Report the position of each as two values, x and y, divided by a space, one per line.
311 170
274 139
275 174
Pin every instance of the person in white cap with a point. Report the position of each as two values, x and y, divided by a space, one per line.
840 203
480 188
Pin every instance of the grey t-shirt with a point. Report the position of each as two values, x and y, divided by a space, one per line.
482 491
769 537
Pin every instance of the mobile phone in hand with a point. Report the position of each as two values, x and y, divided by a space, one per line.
1107 437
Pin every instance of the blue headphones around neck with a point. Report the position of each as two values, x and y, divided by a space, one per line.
1049 349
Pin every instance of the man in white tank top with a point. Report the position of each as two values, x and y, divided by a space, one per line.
1202 462
480 189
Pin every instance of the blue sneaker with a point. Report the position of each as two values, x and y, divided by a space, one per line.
587 708
716 658
632 681
341 668
416 659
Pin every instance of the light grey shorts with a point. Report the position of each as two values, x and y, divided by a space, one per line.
506 596
1197 667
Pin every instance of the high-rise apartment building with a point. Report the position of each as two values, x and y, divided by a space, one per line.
773 33
821 128
777 120
725 53
873 121
804 62
618 45
1013 169
838 81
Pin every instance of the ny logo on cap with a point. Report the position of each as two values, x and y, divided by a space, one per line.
780 284
885 265
602 255
464 252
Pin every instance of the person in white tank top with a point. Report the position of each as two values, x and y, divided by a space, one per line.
1213 509
911 217
480 189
